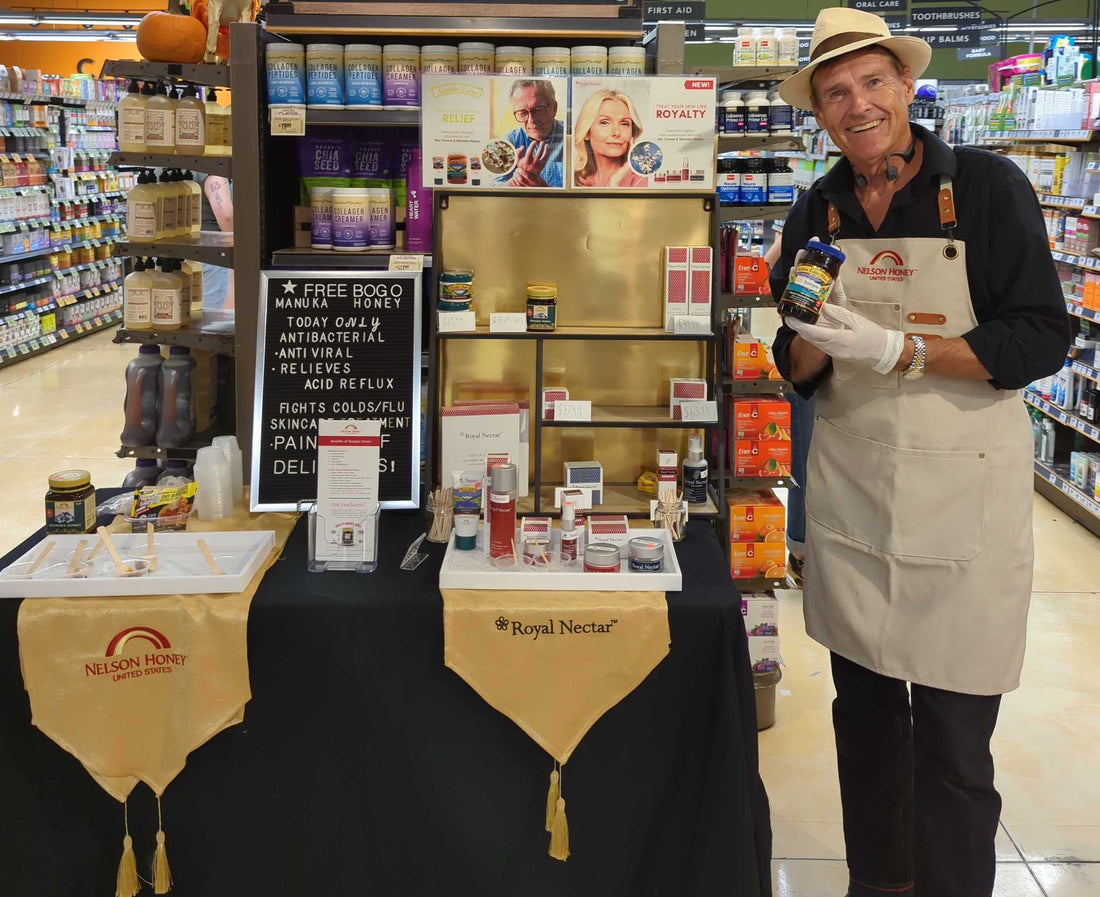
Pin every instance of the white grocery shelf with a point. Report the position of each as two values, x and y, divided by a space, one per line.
1063 416
1067 488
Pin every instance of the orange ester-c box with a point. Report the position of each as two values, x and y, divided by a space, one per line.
749 560
757 517
761 458
763 419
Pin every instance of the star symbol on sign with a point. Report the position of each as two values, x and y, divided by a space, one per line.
289 287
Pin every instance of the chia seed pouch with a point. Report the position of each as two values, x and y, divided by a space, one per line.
325 161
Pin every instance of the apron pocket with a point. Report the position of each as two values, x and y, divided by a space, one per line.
902 502
886 314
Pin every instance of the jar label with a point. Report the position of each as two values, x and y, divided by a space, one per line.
286 81
401 81
325 80
364 83
160 127
71 516
166 306
141 221
137 304
131 125
189 128
809 288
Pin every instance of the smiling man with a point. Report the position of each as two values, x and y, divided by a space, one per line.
919 479
540 138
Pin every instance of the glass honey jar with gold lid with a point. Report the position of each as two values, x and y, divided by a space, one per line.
70 503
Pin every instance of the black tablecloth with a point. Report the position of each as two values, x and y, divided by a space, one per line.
365 768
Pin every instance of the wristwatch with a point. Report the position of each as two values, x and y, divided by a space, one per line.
916 367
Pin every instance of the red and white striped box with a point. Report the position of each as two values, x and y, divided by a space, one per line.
540 527
700 272
682 390
677 264
550 395
613 528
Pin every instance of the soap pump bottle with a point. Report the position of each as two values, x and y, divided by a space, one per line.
696 472
131 120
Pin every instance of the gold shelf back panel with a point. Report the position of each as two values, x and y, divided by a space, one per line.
604 253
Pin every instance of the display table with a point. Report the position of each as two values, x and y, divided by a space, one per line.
365 767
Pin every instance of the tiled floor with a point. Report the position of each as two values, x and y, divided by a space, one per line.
64 409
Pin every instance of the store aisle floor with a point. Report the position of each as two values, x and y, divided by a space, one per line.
64 409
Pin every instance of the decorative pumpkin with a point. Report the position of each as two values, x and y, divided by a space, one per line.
163 37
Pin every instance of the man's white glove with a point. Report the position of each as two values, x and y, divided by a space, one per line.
844 335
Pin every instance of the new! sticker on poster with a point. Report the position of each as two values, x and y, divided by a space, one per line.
643 133
483 131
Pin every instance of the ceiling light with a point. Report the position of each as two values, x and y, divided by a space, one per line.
7 19
71 36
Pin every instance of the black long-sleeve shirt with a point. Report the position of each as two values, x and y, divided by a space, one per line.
1023 330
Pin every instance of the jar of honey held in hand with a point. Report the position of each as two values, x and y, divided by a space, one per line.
811 282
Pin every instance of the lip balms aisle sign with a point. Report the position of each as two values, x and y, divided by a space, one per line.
336 345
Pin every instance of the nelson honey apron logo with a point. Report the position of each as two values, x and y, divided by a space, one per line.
120 665
887 266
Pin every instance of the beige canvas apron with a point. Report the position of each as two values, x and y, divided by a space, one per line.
919 492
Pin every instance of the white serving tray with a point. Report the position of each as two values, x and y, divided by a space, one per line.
181 567
471 570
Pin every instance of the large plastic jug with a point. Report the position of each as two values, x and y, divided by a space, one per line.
140 405
175 409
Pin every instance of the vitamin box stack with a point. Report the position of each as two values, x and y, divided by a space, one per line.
759 436
761 613
758 535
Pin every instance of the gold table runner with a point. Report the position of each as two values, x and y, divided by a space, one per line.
554 663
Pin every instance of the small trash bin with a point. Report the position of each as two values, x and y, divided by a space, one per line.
766 683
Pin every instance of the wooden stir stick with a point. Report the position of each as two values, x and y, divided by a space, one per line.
150 553
214 568
46 549
74 564
121 569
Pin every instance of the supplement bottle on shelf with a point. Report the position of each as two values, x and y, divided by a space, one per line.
140 405
131 120
731 113
757 112
744 49
160 122
788 47
780 116
137 298
729 183
780 183
191 123
175 410
767 49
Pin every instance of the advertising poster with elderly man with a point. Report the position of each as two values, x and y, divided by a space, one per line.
643 133
494 132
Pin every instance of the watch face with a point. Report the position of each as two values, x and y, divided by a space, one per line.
912 375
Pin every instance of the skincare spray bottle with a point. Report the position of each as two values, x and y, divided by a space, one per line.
695 472
569 534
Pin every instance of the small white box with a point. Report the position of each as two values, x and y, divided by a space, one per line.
677 267
764 653
761 613
700 272
579 495
586 474
668 467
684 390
550 395
613 528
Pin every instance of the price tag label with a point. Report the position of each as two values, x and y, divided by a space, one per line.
690 324
406 262
288 121
35 344
23 350
64 334
698 412
457 321
507 322
573 409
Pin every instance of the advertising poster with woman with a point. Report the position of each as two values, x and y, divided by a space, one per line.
494 131
643 133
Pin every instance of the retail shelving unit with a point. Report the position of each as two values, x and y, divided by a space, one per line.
210 248
24 274
610 345
1053 481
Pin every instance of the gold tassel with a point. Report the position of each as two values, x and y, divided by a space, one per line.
126 883
162 875
552 799
559 835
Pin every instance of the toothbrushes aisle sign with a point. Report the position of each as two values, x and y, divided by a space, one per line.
344 346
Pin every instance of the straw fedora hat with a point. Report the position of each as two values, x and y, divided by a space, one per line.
838 31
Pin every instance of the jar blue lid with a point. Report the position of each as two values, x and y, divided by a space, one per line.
827 248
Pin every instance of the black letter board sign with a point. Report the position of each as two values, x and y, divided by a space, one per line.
340 345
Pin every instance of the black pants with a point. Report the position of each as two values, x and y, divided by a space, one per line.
916 785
